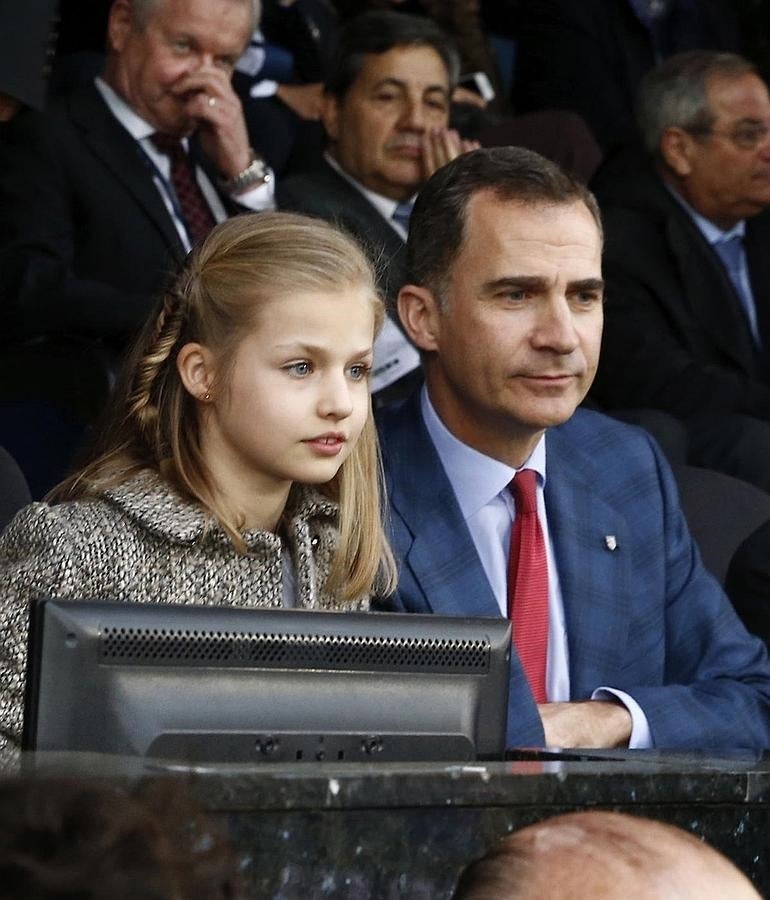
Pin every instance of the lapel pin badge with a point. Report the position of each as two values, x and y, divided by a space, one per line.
611 542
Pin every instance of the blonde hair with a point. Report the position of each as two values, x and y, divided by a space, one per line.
154 422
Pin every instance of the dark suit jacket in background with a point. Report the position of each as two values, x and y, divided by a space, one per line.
590 55
325 193
26 41
86 241
645 618
675 336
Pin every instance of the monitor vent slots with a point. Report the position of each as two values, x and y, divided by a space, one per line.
169 646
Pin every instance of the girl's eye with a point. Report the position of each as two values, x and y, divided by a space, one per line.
359 371
299 369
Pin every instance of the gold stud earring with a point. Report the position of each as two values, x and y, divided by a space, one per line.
207 396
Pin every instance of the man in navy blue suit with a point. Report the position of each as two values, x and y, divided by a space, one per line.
504 299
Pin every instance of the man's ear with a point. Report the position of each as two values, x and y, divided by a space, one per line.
676 147
195 365
420 315
330 115
120 24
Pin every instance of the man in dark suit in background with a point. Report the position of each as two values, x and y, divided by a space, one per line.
590 56
506 500
91 216
386 117
687 265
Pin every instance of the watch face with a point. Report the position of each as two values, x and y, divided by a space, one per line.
254 174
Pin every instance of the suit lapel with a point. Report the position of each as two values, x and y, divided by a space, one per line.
118 151
757 235
591 574
358 207
708 285
442 556
358 214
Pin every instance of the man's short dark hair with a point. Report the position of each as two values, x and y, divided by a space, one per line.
379 31
437 223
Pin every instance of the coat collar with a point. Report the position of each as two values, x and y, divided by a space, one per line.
442 552
156 506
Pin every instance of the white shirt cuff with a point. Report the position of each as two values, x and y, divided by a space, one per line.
641 738
260 197
263 88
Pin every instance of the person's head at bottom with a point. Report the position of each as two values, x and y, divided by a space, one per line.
67 837
597 854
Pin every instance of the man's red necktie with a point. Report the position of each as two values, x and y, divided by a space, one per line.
198 218
528 583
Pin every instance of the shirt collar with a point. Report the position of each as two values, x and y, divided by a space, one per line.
384 205
477 479
711 232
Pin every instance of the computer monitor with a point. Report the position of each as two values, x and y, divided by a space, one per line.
220 684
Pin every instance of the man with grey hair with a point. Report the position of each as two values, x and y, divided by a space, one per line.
101 197
688 273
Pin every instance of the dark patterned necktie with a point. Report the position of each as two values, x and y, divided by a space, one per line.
528 584
198 218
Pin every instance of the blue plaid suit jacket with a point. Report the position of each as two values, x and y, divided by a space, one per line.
645 618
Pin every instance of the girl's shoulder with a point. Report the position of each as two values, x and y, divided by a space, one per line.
45 526
142 503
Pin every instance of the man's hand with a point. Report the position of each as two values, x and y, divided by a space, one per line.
440 146
589 723
9 106
221 128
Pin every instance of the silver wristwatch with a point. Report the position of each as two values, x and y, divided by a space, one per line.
256 173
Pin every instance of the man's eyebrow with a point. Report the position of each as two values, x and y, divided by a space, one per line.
586 284
515 282
538 283
392 81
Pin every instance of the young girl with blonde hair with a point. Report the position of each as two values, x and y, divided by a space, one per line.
240 464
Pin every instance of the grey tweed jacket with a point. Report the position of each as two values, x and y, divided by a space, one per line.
142 542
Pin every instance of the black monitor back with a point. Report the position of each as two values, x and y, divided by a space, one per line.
224 684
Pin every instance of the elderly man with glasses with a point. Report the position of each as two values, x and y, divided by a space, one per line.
687 262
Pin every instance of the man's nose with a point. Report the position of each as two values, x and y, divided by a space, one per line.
555 327
763 147
203 60
413 114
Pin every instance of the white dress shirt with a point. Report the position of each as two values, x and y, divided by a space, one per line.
258 198
481 484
